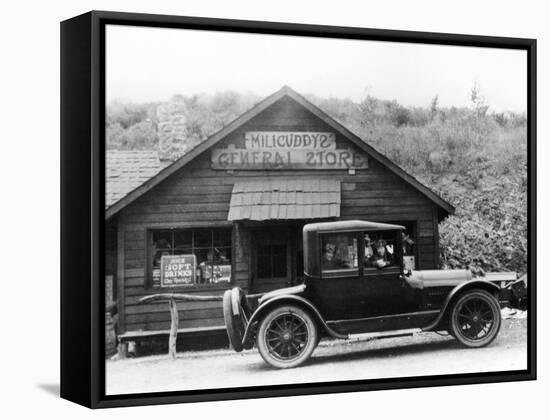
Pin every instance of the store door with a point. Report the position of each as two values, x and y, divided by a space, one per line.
272 258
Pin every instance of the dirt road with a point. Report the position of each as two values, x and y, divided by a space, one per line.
422 354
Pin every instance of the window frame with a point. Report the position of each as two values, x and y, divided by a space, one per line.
148 275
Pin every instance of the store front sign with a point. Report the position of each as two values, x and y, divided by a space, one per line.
287 150
176 270
289 140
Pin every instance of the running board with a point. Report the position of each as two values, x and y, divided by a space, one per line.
384 334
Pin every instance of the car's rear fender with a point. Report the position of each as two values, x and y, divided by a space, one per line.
461 288
299 301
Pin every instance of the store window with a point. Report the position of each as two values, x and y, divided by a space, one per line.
339 252
182 257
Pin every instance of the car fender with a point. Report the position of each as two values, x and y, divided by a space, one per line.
278 300
472 284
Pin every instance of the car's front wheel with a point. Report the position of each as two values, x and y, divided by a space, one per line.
475 318
287 337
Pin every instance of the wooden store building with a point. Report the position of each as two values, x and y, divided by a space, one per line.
230 211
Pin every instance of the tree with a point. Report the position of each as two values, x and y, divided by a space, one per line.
478 101
126 114
139 136
433 106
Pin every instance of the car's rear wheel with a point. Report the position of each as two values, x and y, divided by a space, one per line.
287 337
475 318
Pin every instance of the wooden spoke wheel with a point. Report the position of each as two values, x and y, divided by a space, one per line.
236 313
475 318
287 337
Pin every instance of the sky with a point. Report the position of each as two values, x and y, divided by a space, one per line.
152 64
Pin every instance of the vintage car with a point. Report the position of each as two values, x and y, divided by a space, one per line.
356 283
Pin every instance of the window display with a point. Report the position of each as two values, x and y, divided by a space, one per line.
210 248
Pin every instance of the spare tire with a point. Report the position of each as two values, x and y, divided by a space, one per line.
235 315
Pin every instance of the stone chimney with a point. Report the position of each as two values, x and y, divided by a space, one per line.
172 130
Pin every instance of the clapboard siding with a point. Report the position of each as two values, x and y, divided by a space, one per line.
198 196
111 249
164 316
184 323
137 292
373 211
180 208
133 307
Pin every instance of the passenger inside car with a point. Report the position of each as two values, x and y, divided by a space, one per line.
329 260
369 243
381 258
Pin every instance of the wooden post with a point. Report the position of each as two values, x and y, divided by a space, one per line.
122 350
173 329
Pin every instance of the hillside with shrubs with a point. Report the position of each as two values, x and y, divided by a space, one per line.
473 157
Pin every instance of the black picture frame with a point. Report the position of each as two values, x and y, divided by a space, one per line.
83 198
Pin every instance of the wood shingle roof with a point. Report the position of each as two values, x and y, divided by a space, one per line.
125 170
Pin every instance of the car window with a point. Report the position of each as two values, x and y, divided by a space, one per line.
339 252
380 250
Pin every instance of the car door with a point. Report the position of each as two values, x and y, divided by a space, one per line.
337 292
384 291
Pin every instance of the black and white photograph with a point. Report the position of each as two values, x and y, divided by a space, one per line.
291 209
262 210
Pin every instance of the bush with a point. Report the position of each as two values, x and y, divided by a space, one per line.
489 234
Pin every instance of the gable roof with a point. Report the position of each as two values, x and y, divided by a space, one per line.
125 170
164 173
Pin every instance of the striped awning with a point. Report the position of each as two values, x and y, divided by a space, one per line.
268 199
